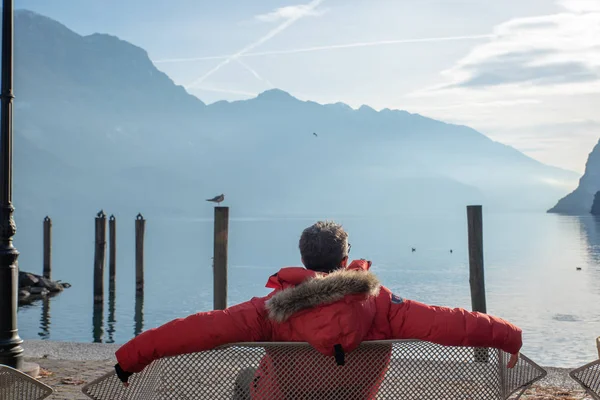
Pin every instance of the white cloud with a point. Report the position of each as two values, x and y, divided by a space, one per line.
543 55
580 5
284 13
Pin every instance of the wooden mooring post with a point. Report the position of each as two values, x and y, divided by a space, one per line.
100 258
476 271
112 253
221 237
140 228
47 268
138 316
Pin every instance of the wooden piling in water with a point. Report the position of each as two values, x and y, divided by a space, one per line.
112 255
140 228
476 270
100 258
221 237
138 316
47 268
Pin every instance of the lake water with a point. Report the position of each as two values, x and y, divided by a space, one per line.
530 267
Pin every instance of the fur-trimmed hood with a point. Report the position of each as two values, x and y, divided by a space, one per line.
321 290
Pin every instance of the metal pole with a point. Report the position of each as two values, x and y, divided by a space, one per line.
11 352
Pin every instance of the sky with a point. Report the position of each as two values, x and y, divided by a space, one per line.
524 72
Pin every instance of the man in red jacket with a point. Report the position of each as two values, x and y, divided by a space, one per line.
330 304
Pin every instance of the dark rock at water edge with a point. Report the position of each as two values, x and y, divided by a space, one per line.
39 290
27 279
596 204
35 287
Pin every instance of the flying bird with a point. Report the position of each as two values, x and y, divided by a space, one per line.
315 133
413 249
217 199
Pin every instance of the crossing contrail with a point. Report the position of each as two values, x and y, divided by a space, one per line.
282 27
253 72
328 47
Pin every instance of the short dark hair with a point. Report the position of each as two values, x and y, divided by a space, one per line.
323 246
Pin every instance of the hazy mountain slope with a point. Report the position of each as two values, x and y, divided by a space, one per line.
98 126
579 202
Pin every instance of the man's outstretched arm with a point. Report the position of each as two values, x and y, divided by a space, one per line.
197 332
453 327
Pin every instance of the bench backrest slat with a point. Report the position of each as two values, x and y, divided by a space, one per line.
376 370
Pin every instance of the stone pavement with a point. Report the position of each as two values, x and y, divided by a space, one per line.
67 377
66 367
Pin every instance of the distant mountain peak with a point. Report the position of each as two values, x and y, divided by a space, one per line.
275 95
366 108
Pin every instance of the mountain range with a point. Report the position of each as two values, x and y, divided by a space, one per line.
97 125
580 200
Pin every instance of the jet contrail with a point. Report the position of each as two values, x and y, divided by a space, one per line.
283 26
329 47
253 72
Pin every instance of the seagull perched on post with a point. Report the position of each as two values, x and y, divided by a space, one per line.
217 199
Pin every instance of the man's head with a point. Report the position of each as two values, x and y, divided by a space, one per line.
324 247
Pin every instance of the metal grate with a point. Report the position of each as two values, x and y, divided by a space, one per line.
15 385
588 376
400 369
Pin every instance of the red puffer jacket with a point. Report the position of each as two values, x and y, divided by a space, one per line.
342 308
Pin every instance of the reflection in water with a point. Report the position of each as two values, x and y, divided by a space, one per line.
590 229
111 317
97 318
45 320
139 315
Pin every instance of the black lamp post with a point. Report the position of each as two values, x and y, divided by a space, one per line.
11 352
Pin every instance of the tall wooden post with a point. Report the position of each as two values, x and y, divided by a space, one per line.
98 322
112 253
138 315
220 257
47 248
100 258
110 328
140 228
476 274
476 271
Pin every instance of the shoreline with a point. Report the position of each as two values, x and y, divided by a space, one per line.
67 366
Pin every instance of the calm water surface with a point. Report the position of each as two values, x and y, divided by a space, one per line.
530 261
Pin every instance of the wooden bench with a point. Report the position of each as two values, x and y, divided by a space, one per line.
399 369
15 385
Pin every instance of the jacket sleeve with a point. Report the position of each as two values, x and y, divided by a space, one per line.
197 332
451 327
